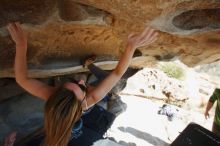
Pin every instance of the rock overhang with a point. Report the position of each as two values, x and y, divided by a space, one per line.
66 31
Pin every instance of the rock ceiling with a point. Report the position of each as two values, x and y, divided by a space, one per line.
62 32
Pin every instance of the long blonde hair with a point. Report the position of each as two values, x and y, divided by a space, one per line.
62 110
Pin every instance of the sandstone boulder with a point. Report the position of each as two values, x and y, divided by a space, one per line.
60 33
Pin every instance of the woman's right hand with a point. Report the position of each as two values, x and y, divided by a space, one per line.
17 34
147 37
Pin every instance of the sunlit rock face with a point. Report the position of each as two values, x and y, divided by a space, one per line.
62 32
211 70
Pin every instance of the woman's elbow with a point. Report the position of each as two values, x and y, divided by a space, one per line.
20 80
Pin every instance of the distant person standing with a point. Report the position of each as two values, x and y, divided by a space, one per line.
216 124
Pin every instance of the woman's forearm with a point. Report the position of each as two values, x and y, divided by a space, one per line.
21 63
110 81
134 41
125 60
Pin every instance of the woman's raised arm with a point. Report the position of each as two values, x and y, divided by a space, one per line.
33 86
134 41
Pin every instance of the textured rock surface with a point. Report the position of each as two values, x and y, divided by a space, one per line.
193 91
62 32
211 71
22 113
141 125
9 88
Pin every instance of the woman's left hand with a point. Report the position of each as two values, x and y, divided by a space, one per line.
17 34
147 37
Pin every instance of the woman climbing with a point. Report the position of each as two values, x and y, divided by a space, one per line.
65 103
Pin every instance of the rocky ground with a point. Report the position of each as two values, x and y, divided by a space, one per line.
141 125
144 95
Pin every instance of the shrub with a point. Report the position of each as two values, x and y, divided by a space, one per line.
172 70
